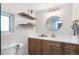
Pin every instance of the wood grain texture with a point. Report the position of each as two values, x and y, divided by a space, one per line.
46 47
34 47
51 48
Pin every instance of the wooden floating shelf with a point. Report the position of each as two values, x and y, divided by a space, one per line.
28 24
27 15
22 24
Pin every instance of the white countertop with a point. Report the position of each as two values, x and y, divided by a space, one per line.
65 40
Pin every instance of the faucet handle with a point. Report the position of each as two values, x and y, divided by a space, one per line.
53 35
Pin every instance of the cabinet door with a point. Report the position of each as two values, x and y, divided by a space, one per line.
69 49
51 48
77 49
45 48
34 46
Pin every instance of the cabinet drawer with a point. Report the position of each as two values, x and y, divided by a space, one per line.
54 43
69 49
70 52
34 40
70 46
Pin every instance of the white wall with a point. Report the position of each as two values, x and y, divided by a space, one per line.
66 17
75 11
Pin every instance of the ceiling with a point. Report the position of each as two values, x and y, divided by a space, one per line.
20 7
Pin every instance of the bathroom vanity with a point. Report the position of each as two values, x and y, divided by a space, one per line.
41 45
52 46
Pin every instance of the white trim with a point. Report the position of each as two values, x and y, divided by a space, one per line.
11 21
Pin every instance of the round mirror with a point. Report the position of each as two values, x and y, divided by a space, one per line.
54 23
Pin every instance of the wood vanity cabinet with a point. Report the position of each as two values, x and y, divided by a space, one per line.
34 46
51 48
46 47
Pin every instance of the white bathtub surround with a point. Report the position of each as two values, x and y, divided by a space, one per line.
10 49
7 39
5 33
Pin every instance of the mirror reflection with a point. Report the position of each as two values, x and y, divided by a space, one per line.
54 23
